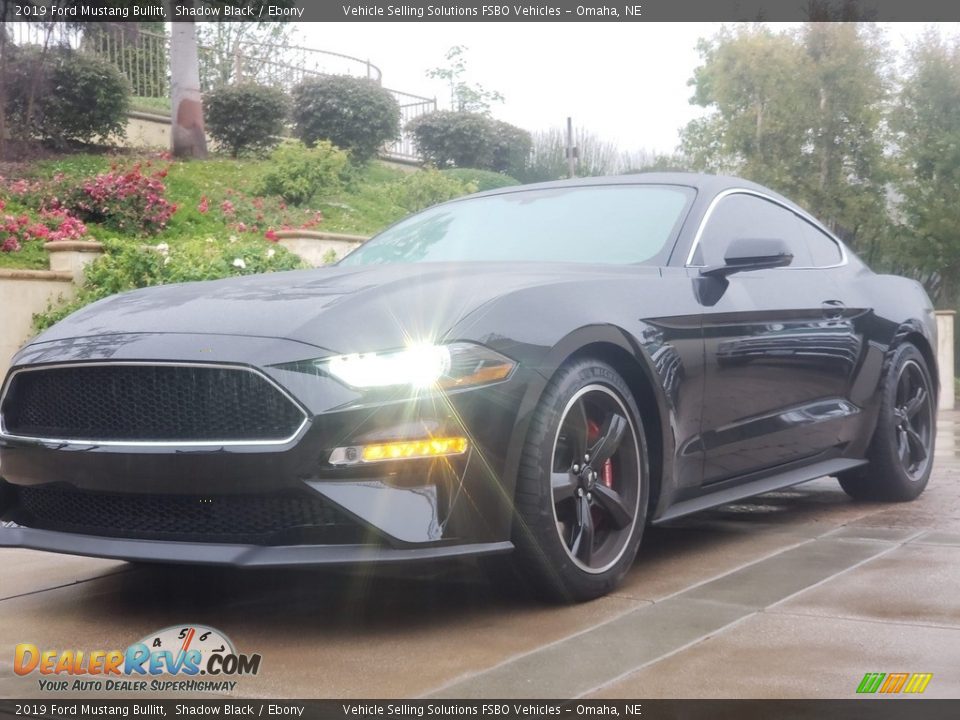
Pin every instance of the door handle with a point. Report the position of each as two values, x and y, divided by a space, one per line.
832 309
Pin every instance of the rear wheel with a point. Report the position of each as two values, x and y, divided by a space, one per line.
583 484
901 451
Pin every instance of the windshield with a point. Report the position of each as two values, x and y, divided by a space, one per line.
617 224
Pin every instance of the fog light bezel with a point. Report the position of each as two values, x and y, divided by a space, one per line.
429 448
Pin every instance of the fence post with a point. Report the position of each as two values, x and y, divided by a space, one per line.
945 360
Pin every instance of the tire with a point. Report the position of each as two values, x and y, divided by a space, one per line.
579 522
900 454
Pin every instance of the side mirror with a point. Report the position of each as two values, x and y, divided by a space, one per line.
751 254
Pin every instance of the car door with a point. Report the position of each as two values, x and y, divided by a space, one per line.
777 348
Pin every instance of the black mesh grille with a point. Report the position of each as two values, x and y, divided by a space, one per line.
261 519
148 402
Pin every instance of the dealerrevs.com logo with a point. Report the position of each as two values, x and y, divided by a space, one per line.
185 658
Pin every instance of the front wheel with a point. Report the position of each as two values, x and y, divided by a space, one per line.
901 451
583 483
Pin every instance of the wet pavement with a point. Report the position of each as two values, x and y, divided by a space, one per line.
793 594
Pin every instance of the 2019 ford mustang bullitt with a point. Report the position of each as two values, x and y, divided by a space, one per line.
542 369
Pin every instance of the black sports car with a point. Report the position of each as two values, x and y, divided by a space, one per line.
542 369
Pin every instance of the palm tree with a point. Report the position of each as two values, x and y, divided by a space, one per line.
187 137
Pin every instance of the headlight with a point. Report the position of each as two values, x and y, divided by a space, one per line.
422 366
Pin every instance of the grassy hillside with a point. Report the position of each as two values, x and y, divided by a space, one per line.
201 190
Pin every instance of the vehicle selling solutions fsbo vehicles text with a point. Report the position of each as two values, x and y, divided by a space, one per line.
519 11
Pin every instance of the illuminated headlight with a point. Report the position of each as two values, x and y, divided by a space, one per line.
422 366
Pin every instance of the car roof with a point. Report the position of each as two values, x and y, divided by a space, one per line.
708 184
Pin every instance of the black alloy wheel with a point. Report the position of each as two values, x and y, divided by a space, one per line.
913 414
582 486
595 478
900 455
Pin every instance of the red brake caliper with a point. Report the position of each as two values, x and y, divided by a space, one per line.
606 472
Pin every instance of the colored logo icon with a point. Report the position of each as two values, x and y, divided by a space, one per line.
891 683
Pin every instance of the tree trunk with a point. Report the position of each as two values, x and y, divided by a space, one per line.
825 141
3 88
187 138
35 73
759 105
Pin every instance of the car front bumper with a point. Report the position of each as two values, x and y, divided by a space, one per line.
401 510
206 553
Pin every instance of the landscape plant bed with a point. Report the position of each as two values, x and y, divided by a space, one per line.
162 220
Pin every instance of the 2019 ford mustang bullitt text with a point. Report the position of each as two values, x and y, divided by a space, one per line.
543 369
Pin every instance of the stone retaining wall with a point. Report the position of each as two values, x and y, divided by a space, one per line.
23 293
315 247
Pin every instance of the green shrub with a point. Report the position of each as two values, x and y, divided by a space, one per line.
75 96
470 140
511 148
298 173
447 138
482 179
355 114
246 117
422 189
127 266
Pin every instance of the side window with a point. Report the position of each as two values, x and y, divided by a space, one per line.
748 216
823 250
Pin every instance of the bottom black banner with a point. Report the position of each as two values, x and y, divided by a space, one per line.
867 709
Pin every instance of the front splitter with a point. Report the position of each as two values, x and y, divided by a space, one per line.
202 553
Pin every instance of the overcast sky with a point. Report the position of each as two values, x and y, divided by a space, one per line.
626 82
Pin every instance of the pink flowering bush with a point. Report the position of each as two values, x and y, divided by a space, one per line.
265 215
17 231
62 225
127 201
14 232
34 193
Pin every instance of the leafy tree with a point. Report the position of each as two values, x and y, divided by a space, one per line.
233 52
927 125
463 97
756 83
802 112
851 86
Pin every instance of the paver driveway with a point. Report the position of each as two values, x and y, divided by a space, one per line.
792 594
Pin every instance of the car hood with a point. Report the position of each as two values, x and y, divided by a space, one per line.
349 309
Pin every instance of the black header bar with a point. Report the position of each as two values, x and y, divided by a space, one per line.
894 708
482 10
